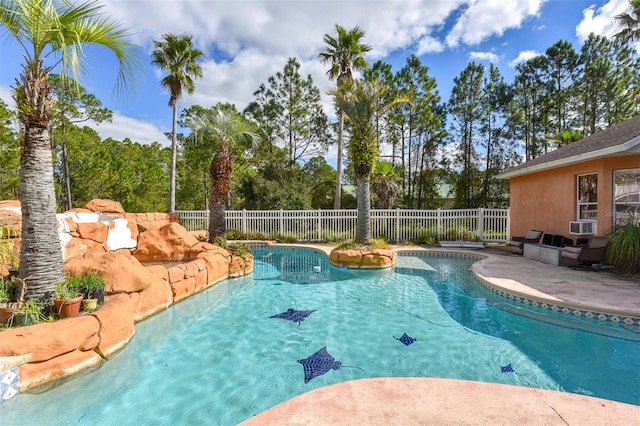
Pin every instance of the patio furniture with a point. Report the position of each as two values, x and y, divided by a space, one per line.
533 236
585 255
557 240
543 253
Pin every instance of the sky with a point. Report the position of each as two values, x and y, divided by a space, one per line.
246 41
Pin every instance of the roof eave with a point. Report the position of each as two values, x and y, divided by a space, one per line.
601 153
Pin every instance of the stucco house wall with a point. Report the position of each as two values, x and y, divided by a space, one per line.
544 193
547 200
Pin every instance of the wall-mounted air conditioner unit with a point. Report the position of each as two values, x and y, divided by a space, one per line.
583 227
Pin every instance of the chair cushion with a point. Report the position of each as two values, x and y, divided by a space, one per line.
597 242
571 252
531 235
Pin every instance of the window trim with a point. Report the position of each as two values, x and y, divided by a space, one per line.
614 216
579 203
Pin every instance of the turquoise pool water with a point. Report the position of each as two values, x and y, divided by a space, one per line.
218 357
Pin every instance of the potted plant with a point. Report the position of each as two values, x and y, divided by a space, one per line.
9 258
66 300
28 312
5 310
91 286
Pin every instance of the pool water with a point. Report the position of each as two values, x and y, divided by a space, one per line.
218 357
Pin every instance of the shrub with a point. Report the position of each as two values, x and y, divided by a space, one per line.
234 234
334 237
623 248
377 243
238 249
283 238
428 237
255 236
372 244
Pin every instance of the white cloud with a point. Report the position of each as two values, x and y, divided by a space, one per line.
428 44
122 127
524 56
485 56
600 20
7 97
255 38
235 81
282 27
252 39
485 18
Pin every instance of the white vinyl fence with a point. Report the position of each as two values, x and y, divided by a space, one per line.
491 225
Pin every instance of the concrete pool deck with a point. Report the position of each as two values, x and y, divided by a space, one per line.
431 401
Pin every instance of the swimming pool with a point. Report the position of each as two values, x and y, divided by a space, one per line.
219 358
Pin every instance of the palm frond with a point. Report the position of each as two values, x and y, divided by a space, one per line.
47 28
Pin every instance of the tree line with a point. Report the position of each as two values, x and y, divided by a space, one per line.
438 153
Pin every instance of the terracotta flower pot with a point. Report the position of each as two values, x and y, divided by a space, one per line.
5 314
68 308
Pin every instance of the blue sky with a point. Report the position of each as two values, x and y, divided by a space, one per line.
246 41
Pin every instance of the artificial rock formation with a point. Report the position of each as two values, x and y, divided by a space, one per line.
122 272
170 243
102 238
363 259
155 298
116 320
48 340
104 206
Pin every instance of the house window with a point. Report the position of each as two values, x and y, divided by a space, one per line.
626 196
587 204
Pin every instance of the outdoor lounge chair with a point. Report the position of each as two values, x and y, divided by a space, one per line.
533 236
584 255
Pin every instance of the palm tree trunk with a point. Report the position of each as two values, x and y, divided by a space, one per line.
338 197
363 225
174 150
41 264
67 177
217 227
220 182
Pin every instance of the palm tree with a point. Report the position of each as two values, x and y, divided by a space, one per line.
176 55
362 103
54 31
345 54
227 128
630 22
385 183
